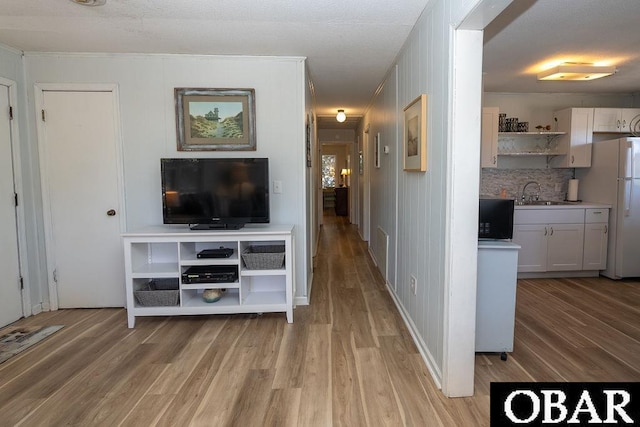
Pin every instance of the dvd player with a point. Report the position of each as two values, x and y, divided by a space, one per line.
210 274
215 253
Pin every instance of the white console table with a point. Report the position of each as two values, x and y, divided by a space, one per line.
165 252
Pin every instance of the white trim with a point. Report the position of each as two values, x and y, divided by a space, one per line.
39 89
463 166
17 185
160 55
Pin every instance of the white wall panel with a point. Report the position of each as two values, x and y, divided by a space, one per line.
146 88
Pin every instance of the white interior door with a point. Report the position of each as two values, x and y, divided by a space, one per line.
10 289
81 186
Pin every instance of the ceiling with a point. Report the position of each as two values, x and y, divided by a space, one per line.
349 44
531 33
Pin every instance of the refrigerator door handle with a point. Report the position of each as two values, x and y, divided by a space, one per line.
628 196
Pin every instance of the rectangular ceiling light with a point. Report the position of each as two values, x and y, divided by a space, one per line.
576 72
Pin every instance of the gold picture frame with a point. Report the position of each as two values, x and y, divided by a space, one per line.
215 119
415 135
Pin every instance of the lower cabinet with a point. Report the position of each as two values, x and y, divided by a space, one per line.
549 247
596 236
174 271
561 240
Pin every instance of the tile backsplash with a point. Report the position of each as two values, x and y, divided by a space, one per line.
492 181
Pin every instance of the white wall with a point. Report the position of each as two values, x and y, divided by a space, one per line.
146 89
410 206
11 67
430 217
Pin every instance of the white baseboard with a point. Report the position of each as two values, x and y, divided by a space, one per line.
37 309
428 358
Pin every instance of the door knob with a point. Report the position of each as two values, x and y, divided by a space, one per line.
111 212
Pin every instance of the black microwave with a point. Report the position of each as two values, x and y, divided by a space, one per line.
495 218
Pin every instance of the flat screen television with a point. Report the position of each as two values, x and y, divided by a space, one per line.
215 193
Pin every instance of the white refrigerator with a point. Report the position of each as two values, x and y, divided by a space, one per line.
614 179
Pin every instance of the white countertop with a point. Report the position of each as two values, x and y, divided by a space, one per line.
497 244
567 205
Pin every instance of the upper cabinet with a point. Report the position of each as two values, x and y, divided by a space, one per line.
576 143
615 120
489 138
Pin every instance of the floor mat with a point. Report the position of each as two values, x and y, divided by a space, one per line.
14 340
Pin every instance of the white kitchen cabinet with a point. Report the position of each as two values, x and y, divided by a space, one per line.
596 234
549 247
565 244
613 120
489 138
577 123
628 117
533 247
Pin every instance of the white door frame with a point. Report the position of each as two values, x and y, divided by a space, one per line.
17 182
39 89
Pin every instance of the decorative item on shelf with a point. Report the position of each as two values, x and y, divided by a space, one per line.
502 122
511 124
523 126
541 128
212 295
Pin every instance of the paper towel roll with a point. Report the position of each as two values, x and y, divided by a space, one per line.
572 192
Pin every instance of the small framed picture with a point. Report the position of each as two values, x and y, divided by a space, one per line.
215 119
415 135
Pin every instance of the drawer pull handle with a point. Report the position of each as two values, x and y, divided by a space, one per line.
606 229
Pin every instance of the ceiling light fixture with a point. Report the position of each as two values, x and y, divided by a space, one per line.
341 116
90 2
576 72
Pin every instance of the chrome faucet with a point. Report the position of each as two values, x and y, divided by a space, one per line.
537 196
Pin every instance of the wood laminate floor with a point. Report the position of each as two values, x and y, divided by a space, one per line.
347 360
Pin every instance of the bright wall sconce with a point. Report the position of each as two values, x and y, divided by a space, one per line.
341 116
576 72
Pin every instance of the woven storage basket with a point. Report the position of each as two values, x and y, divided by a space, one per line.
263 257
164 284
149 296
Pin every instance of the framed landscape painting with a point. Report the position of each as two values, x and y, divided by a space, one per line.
215 119
415 135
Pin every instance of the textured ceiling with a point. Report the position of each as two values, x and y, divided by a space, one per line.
349 44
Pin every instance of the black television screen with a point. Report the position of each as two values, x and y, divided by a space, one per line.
215 193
